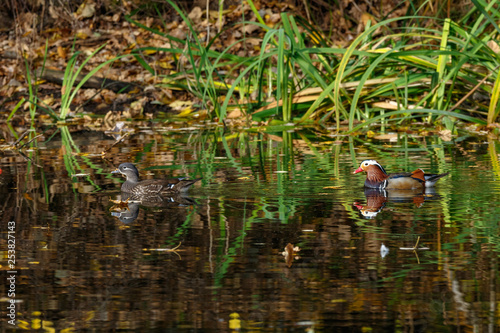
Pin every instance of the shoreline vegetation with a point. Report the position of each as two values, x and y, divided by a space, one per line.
253 64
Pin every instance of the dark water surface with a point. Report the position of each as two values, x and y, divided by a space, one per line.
85 263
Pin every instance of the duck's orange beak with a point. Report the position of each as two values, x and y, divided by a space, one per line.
358 170
358 205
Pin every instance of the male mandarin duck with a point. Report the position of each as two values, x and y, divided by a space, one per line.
151 186
376 177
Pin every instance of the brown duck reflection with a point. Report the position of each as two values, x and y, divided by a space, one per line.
376 199
127 210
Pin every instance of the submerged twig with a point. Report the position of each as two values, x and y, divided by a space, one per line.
27 143
29 159
168 250
116 142
21 137
414 249
14 146
469 93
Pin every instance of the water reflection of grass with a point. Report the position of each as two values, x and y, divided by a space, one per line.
277 174
71 151
245 225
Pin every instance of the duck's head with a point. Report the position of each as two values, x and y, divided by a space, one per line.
127 169
369 166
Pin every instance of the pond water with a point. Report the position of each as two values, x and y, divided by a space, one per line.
279 235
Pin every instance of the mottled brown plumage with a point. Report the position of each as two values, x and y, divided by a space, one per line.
146 187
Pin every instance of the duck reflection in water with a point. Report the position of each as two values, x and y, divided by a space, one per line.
161 193
127 208
376 199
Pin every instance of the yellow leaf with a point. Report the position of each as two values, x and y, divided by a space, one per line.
165 64
81 35
49 100
234 322
180 105
68 330
185 112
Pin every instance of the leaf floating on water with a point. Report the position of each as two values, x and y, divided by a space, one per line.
234 322
74 153
332 187
339 300
384 250
174 250
119 126
290 254
119 205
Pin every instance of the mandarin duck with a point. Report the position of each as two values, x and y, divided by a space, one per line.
151 186
376 177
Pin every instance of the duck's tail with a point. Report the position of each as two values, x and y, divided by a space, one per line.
431 179
182 185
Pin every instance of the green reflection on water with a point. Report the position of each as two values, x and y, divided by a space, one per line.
261 191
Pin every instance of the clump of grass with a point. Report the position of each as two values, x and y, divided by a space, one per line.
426 68
73 81
69 88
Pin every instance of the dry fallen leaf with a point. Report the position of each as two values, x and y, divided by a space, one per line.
86 9
289 254
493 45
61 52
195 14
445 135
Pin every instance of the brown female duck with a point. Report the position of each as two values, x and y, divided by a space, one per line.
139 187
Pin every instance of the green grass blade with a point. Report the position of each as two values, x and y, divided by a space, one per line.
418 111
